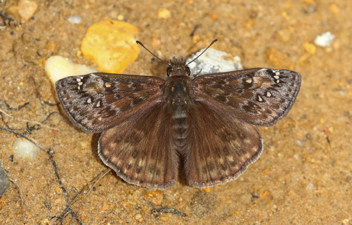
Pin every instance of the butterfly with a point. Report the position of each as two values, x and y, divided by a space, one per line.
149 124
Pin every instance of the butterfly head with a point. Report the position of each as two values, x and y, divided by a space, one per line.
178 67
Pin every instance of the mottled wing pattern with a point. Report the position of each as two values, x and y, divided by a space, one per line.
220 147
140 148
98 101
257 96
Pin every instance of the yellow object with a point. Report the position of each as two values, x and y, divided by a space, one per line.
207 189
164 13
308 1
111 45
310 48
265 193
334 9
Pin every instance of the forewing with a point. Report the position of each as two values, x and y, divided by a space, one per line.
220 147
98 101
140 150
257 96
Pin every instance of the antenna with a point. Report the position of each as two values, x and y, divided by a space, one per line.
140 43
215 40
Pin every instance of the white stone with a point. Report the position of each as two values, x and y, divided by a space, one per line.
324 40
25 149
58 67
212 61
75 19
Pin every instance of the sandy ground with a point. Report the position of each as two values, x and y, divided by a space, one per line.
304 175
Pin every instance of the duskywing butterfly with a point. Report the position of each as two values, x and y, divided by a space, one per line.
209 121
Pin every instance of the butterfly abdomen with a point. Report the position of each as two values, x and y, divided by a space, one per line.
178 99
180 128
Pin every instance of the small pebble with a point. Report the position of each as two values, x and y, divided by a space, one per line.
58 67
324 40
75 19
207 189
25 149
334 8
24 10
300 143
310 187
310 48
164 13
139 218
120 17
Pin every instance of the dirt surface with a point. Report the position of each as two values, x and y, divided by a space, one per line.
304 175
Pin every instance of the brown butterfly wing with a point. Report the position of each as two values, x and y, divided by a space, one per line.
257 96
219 146
140 148
98 101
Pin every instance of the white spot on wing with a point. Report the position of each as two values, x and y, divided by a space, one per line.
141 163
249 80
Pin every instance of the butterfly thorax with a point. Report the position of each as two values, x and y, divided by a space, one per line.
178 93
